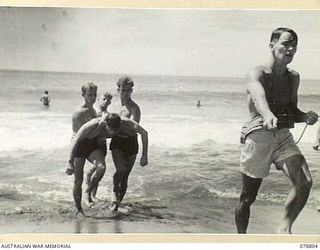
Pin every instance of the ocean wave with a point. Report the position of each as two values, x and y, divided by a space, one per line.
14 192
44 131
206 193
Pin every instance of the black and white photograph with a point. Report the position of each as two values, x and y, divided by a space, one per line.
159 121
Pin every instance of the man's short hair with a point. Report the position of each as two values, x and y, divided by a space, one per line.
277 33
113 120
125 81
87 86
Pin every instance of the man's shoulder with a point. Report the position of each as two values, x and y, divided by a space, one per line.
260 69
82 111
294 77
293 73
132 104
78 111
135 107
257 72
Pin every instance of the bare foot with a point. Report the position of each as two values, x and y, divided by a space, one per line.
80 213
89 201
114 206
284 230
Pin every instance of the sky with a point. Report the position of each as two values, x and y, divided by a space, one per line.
193 42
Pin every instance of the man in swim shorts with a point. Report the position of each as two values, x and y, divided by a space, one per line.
124 149
83 114
90 149
272 100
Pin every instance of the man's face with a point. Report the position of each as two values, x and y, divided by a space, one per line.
104 102
285 48
125 91
90 96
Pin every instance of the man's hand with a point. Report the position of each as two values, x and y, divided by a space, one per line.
270 121
103 119
144 160
311 118
70 168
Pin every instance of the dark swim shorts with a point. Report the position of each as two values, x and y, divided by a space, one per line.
128 145
87 146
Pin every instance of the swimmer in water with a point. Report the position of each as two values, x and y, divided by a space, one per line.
45 99
199 104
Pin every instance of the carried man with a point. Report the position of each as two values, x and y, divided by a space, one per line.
105 127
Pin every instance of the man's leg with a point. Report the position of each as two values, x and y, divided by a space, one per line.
296 168
77 186
130 160
98 159
120 165
89 175
250 187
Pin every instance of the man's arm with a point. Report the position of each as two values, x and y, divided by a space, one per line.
136 113
300 116
77 121
144 138
258 96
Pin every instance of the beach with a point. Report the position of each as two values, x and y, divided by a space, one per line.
191 184
152 220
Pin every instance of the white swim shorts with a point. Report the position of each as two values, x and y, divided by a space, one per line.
264 147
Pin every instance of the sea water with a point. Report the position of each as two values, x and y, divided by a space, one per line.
193 151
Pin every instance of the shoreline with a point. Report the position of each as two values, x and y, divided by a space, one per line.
264 220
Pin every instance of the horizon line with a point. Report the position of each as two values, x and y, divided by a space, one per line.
101 73
136 74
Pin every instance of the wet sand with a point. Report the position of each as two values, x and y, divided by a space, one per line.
136 219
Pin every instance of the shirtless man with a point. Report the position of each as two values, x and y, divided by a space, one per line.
104 101
86 112
124 148
272 100
105 127
89 150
